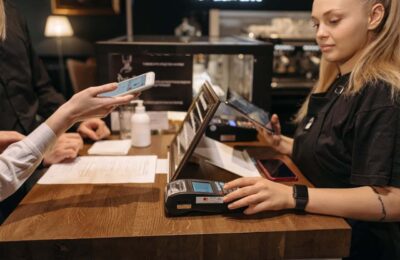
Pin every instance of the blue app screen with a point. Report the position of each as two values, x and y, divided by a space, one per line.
127 85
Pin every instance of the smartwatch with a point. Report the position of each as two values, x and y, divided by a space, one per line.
300 195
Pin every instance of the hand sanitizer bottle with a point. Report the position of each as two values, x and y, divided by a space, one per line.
140 131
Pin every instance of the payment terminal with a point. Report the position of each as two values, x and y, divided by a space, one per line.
189 195
231 130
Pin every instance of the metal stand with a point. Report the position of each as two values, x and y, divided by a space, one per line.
129 20
61 65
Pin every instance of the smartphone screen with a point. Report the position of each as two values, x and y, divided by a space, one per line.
253 112
127 86
277 169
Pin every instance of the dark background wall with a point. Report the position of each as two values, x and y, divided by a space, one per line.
150 17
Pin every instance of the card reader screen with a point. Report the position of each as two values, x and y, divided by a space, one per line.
202 187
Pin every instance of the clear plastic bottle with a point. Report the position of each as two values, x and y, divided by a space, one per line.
140 131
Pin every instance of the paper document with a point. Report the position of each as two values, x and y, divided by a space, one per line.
162 166
110 147
103 170
224 156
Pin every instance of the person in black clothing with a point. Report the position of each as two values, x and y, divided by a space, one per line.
348 138
27 98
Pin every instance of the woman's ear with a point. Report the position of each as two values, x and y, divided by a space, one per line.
376 16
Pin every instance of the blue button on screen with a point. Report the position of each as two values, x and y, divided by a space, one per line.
202 187
232 122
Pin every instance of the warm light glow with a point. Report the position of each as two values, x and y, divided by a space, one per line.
58 26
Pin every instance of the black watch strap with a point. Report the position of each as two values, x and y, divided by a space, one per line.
300 195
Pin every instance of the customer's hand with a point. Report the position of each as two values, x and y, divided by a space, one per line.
9 137
258 194
85 104
94 128
66 147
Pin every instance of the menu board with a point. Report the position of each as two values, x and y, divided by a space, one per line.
192 129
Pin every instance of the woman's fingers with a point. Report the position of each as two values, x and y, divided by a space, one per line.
276 125
103 88
240 182
239 193
247 201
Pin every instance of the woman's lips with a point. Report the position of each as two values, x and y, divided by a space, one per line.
326 47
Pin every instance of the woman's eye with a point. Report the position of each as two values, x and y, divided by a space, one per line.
334 21
315 25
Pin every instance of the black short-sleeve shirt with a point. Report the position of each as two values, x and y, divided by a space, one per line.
350 141
354 140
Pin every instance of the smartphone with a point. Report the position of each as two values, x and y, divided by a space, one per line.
132 85
276 170
256 115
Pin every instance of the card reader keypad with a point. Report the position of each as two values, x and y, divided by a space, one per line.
220 187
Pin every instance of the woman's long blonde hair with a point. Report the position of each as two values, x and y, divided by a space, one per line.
2 21
380 60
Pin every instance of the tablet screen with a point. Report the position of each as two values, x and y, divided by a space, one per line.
256 114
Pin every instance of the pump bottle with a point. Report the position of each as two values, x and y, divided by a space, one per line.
140 130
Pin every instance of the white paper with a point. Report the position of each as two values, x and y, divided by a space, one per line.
176 115
103 170
110 147
162 166
158 120
225 157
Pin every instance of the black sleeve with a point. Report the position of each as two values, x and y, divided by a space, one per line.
376 147
49 98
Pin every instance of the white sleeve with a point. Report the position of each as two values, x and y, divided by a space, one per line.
20 159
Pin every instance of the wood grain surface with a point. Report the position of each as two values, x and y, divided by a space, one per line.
127 221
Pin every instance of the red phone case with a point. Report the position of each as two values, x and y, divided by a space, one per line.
268 175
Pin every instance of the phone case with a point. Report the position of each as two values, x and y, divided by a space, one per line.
277 179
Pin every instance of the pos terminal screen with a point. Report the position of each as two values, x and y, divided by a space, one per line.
202 187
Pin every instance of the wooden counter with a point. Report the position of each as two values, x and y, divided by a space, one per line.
127 221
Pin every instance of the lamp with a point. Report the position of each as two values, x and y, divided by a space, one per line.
58 27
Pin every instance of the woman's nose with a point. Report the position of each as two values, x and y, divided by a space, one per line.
321 32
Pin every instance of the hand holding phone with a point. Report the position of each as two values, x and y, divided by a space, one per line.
132 85
258 116
276 170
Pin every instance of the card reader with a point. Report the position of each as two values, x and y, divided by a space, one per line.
190 195
231 130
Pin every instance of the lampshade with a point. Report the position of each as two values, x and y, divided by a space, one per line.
58 26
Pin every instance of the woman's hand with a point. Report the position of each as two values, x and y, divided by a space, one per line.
258 194
9 137
94 128
66 147
85 104
276 140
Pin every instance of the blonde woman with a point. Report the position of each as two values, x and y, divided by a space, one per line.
348 138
